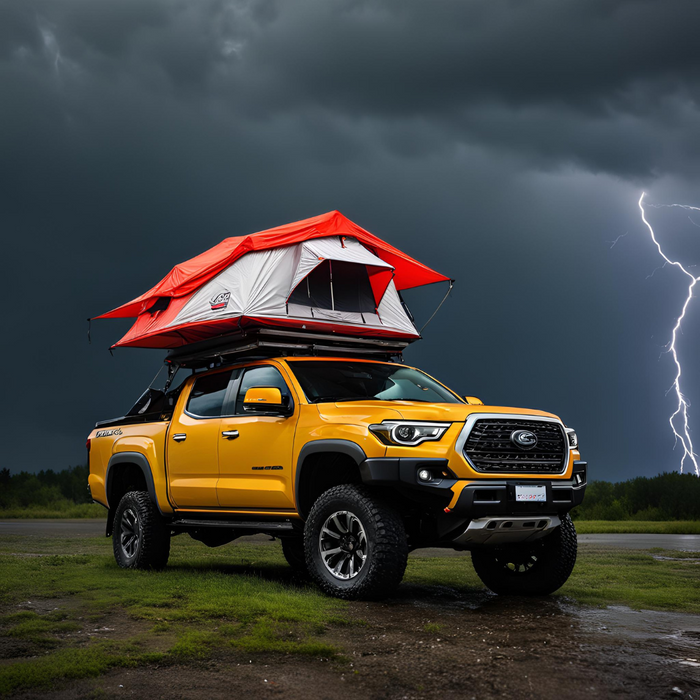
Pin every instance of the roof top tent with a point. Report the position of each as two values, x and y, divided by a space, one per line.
321 275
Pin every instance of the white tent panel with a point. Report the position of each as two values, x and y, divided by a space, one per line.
392 313
269 280
259 284
345 249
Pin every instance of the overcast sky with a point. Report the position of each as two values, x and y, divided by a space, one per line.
503 143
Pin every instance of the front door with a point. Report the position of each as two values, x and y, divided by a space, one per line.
193 442
255 451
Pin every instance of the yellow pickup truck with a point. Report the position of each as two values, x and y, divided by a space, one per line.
351 462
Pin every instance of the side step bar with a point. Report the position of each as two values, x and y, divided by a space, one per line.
260 526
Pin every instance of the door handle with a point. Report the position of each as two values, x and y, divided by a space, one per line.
229 434
179 437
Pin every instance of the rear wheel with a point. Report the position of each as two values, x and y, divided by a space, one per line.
293 550
141 537
536 568
355 544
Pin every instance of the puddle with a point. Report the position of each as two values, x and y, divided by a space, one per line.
685 560
671 638
675 637
641 624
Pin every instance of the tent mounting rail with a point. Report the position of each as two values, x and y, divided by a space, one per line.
266 342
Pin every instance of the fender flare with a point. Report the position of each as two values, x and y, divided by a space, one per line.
346 447
140 461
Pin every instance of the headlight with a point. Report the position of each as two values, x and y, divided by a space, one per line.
573 438
408 432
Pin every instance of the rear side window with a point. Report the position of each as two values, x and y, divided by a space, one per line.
266 376
207 395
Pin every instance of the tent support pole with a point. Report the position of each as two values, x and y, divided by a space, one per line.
330 267
160 369
172 371
452 284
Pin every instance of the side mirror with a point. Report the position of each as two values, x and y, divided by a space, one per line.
265 399
473 401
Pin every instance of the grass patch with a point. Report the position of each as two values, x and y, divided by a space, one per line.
37 628
672 527
207 601
245 598
455 572
602 576
637 579
67 664
56 510
195 644
161 628
243 583
265 637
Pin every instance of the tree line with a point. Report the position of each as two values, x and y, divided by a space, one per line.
46 488
669 496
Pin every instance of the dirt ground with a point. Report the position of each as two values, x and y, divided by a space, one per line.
431 643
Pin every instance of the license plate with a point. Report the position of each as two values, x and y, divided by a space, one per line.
532 494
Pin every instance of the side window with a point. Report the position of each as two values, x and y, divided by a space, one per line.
207 395
261 376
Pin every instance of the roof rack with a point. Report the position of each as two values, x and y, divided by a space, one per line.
268 342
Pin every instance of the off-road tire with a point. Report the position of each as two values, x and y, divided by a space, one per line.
386 545
532 569
293 550
138 514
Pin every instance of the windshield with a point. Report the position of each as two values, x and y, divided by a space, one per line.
331 381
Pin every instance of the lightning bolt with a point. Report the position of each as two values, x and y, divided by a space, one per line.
614 243
682 436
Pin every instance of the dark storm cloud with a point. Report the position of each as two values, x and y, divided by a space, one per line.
502 143
609 85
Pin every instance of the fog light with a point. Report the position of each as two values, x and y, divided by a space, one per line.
425 475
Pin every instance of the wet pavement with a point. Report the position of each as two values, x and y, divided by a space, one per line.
86 527
96 528
684 543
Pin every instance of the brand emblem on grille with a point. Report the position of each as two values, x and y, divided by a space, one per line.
525 439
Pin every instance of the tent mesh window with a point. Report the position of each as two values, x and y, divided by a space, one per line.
337 285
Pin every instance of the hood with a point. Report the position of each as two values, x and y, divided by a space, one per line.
358 412
377 411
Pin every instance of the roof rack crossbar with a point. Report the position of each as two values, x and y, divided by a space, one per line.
269 342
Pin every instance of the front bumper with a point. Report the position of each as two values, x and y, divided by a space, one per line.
473 499
497 497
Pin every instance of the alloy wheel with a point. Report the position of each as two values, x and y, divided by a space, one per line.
343 545
130 533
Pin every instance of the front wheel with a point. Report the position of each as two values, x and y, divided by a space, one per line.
355 544
532 569
141 537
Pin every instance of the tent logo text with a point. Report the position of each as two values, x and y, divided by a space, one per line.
220 301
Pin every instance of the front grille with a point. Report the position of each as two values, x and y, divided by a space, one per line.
490 449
